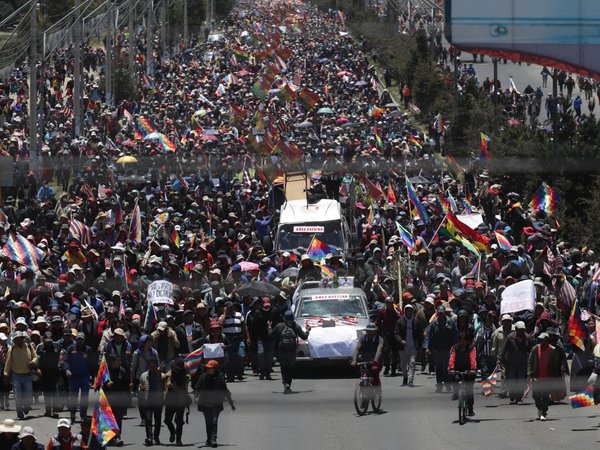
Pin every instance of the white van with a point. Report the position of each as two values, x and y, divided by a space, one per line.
337 317
299 222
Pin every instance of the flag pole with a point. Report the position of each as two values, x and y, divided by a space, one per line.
131 218
400 284
437 230
479 268
412 225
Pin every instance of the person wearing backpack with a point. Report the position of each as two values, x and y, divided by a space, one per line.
285 335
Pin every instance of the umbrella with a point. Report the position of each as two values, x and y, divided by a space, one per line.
127 159
343 73
243 73
325 111
391 105
419 180
257 289
361 83
350 125
248 266
291 272
341 120
210 131
513 122
209 137
154 135
304 125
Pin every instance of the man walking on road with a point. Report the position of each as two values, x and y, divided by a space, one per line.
409 336
20 360
441 337
543 365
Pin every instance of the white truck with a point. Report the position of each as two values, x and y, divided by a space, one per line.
300 221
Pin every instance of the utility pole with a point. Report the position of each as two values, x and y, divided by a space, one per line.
163 28
495 61
33 92
77 72
185 23
150 40
109 55
131 27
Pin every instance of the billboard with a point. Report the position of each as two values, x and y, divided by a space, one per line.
560 33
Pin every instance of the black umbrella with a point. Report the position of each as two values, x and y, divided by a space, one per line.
291 272
419 180
257 289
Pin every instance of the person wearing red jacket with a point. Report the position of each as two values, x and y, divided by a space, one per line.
463 358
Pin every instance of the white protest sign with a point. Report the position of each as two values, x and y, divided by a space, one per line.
471 220
212 351
518 297
160 292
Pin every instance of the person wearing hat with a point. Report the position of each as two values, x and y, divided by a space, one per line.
513 357
118 345
151 394
543 364
211 391
369 348
64 439
166 343
20 361
463 358
49 363
9 433
408 333
26 441
88 325
4 386
440 338
499 337
176 400
77 370
308 269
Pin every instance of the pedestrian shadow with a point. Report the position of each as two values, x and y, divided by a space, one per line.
584 429
292 392
220 445
372 413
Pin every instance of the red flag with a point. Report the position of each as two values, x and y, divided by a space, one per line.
391 197
373 190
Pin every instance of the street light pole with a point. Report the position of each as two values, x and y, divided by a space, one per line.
77 81
185 23
33 93
150 40
109 56
131 27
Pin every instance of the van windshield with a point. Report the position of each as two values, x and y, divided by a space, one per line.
292 236
331 307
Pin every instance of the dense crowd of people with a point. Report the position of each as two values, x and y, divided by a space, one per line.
209 137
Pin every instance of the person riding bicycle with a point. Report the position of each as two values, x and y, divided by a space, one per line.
463 359
369 348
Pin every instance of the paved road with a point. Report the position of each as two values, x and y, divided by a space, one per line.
522 76
320 415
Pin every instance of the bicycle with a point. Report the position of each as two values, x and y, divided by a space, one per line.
365 391
462 397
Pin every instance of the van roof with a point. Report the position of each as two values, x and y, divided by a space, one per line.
297 211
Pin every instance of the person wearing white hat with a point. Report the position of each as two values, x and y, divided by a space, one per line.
64 438
21 359
513 357
9 432
542 367
499 337
27 440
